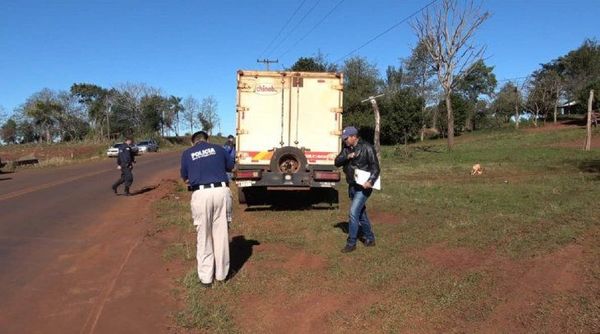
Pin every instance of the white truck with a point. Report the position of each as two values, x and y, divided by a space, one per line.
288 135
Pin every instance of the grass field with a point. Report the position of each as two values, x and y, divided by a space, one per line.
516 249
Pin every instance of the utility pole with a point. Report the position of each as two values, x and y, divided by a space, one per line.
517 118
108 113
376 141
268 62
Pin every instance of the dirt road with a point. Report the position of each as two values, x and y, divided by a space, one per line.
75 258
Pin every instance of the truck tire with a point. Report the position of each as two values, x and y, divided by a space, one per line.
241 196
288 160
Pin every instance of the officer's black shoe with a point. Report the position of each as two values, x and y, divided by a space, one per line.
370 243
348 249
114 189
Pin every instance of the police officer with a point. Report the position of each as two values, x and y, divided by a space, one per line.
357 154
125 161
203 168
230 147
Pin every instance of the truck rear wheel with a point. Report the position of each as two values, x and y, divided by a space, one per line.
288 160
241 196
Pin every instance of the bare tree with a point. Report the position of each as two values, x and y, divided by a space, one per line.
208 114
3 115
131 97
191 108
447 32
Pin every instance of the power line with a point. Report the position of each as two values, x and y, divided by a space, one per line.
297 25
512 79
313 28
386 31
283 28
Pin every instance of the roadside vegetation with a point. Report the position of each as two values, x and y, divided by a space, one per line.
514 248
67 153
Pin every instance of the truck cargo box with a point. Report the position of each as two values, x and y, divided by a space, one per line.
288 135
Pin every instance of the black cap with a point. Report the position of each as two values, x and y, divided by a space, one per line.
199 135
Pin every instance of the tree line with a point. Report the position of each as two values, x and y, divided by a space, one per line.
91 112
414 105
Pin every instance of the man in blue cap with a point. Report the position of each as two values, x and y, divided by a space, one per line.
357 154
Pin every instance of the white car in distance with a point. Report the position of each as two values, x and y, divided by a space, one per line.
113 151
147 146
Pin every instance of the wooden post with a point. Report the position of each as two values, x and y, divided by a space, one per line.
377 129
376 136
588 139
517 118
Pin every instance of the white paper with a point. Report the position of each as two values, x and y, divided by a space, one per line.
361 176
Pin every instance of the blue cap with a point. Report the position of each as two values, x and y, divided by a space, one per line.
349 131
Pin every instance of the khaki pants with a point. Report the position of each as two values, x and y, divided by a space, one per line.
209 211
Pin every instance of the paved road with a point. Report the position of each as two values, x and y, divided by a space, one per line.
65 241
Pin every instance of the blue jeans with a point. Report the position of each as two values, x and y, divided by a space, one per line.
359 221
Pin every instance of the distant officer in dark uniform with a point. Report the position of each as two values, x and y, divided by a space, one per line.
230 150
230 147
204 168
125 161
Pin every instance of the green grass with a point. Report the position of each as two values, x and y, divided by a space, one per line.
533 199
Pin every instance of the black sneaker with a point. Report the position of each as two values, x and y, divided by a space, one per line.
370 243
348 249
114 190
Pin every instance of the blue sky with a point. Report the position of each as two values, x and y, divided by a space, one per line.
196 47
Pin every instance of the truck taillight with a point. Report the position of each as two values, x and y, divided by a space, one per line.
248 174
326 176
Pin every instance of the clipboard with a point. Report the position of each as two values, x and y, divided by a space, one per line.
361 176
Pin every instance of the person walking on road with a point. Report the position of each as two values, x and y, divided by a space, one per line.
357 154
125 161
204 168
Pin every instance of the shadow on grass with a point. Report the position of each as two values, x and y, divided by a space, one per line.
575 121
240 250
144 190
343 226
429 149
590 166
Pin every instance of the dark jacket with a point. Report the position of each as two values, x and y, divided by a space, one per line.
126 156
365 159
